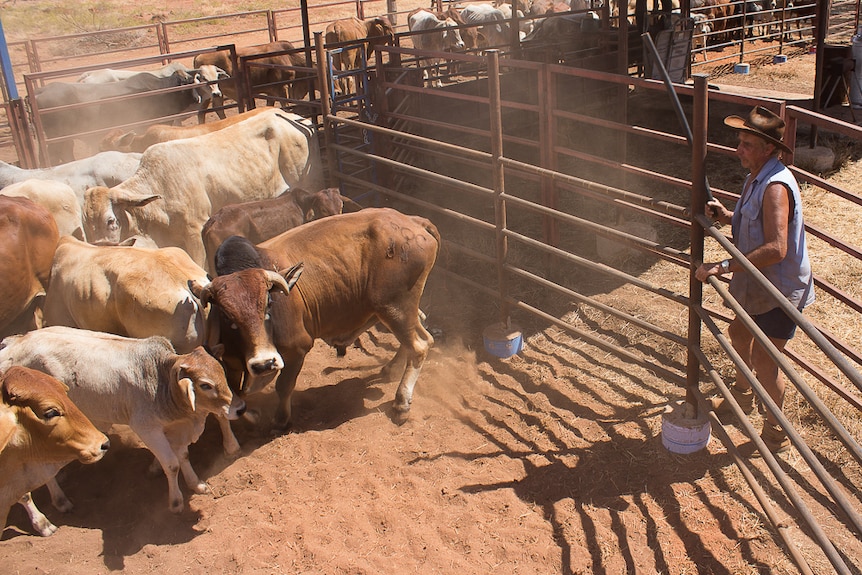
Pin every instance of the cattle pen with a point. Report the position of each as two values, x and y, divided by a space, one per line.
570 202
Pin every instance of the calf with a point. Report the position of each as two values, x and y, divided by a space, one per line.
41 430
362 268
143 383
263 219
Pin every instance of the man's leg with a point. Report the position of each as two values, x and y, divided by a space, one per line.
742 342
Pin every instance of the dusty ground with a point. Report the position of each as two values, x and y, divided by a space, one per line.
547 462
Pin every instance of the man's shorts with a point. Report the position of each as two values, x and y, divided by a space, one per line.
775 323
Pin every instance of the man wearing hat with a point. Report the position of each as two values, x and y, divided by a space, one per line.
767 227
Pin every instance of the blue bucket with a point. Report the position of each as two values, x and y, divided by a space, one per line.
779 59
741 68
503 339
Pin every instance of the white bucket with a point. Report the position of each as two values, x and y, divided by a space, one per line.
682 434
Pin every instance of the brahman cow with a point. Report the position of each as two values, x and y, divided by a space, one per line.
131 142
130 291
28 238
57 197
560 38
103 169
264 219
372 32
164 397
41 430
105 110
360 269
273 78
106 75
437 35
182 182
495 28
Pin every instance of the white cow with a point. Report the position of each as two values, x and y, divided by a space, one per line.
58 198
439 36
164 397
182 182
106 75
495 28
41 430
103 169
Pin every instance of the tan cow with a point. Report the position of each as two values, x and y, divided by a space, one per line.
41 430
372 32
130 291
28 238
58 198
360 268
132 142
182 182
164 397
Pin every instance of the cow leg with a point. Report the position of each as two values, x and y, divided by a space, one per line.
192 480
40 523
415 343
229 442
284 385
58 498
159 445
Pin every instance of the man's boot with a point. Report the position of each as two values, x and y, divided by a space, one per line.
775 438
745 399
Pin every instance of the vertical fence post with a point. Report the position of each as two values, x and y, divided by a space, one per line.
697 203
323 82
271 26
162 35
392 11
494 98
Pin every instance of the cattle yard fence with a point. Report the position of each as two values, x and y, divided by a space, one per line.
774 31
538 218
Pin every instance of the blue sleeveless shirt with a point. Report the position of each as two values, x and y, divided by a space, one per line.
792 275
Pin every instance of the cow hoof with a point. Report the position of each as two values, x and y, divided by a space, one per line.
176 506
201 488
45 529
278 429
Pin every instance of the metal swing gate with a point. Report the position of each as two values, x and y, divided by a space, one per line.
351 97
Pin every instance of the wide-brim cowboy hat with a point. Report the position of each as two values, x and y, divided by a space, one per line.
763 123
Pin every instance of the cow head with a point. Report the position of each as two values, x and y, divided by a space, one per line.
47 423
380 32
105 215
452 36
319 204
200 384
210 75
244 300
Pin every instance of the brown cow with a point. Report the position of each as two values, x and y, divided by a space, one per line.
261 220
273 82
123 141
28 238
362 268
374 31
41 431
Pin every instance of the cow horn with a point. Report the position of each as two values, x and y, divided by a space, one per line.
277 280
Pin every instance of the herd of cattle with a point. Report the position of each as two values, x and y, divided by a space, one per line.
156 287
182 268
